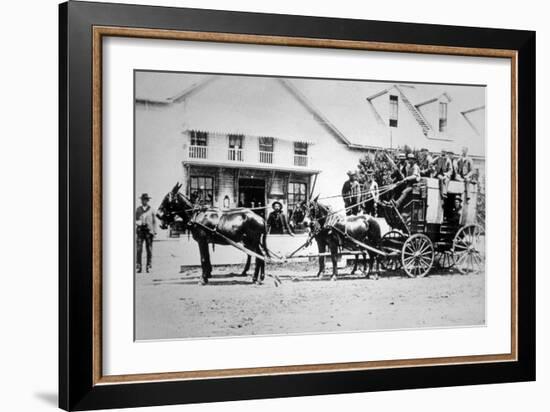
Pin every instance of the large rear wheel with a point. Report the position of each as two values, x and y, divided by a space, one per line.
469 249
417 255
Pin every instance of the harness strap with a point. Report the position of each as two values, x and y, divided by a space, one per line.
360 244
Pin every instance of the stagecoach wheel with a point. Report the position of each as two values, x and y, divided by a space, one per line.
392 240
468 249
417 255
445 259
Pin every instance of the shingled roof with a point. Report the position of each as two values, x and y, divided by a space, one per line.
300 109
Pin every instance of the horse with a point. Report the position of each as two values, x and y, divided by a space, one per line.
210 225
327 228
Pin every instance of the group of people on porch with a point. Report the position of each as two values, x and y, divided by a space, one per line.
408 169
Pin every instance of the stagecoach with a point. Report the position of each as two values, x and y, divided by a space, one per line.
429 231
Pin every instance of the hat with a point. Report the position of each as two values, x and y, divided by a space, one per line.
370 171
450 152
401 156
276 203
351 173
411 156
145 196
424 150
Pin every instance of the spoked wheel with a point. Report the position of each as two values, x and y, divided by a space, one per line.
417 255
393 241
445 259
469 249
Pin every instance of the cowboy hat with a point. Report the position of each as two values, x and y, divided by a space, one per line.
351 173
370 171
411 156
145 196
401 156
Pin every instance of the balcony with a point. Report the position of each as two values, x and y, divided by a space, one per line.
217 152
198 152
301 160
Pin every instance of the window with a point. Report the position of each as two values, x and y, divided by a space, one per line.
394 102
300 154
266 149
199 138
266 144
297 192
235 147
202 189
236 141
442 117
300 148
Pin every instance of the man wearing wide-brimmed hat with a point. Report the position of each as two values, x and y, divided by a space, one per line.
276 221
444 171
370 194
351 193
145 231
464 171
412 172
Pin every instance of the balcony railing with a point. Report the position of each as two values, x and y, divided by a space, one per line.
235 155
301 160
198 152
248 155
266 157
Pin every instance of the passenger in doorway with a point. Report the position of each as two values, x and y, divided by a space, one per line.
277 223
455 212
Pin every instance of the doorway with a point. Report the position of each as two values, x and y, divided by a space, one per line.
252 195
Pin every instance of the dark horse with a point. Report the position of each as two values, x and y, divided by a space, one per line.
332 231
211 225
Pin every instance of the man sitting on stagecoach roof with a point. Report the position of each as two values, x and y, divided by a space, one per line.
444 171
426 163
465 170
276 221
351 193
370 194
412 176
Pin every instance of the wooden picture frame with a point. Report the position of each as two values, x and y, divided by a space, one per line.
82 385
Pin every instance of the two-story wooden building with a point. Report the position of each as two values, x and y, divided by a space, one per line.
249 141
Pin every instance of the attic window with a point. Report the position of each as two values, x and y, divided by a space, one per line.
394 102
442 117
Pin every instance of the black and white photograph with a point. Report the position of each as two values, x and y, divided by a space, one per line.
281 205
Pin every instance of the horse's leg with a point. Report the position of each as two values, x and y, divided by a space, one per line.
203 249
374 263
322 247
262 270
334 257
247 265
365 263
355 263
257 263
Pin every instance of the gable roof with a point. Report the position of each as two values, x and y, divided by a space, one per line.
300 109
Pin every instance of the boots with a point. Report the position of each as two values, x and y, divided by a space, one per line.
138 268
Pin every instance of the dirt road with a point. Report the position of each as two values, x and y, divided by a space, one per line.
170 304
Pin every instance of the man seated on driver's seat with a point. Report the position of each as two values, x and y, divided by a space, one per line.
412 177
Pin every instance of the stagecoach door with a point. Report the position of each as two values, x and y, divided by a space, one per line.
252 195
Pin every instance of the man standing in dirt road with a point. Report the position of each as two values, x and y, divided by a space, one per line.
145 232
